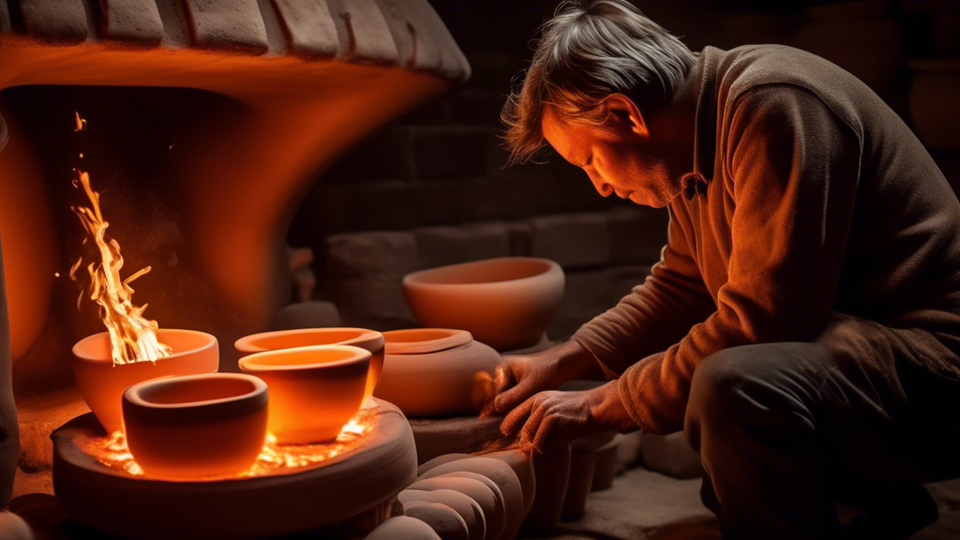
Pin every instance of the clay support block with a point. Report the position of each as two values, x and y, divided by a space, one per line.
309 26
573 240
64 21
375 299
228 24
440 246
364 255
670 455
132 20
362 32
457 435
583 460
551 474
606 468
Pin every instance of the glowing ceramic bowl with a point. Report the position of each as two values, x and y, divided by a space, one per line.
506 303
102 384
285 339
197 425
314 390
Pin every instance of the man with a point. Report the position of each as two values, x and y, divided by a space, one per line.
803 324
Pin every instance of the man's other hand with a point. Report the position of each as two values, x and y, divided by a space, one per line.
549 419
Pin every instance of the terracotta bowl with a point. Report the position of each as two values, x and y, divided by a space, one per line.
314 390
285 339
102 384
195 426
437 372
506 303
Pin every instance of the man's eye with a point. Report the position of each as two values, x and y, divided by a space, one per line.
589 161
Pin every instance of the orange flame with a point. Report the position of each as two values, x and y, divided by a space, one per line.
133 338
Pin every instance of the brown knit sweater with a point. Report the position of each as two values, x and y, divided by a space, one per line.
820 217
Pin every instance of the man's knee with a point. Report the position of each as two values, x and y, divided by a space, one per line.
730 386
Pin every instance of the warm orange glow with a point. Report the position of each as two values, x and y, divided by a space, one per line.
275 458
133 338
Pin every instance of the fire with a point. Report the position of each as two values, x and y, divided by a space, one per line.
112 451
133 338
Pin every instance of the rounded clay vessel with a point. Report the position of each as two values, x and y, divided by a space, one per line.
506 302
437 371
370 340
102 384
314 390
195 426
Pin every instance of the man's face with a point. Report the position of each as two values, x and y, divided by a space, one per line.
619 156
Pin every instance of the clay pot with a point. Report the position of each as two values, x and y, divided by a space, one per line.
196 426
468 509
506 302
934 107
314 390
501 474
403 528
552 473
606 468
435 371
445 521
102 384
583 461
285 339
13 527
481 489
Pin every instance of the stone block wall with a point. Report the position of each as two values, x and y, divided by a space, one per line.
431 189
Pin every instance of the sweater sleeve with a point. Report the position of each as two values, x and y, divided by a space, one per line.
656 313
793 168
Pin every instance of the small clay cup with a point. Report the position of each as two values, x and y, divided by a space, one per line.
196 426
370 340
102 384
314 390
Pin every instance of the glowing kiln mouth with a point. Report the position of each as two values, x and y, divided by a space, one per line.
349 483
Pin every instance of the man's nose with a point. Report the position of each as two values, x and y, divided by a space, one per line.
603 188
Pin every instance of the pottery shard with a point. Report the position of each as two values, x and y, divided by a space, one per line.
447 523
309 26
227 24
501 474
403 528
363 32
64 21
133 20
468 508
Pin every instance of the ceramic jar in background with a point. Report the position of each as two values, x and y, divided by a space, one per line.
102 384
437 371
285 339
314 390
506 303
196 426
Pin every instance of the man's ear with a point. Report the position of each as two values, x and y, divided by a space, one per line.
623 111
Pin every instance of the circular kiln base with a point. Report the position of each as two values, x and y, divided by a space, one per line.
355 489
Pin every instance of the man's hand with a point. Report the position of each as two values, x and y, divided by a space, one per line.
550 418
545 370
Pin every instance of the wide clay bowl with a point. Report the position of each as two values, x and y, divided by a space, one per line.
314 390
437 372
506 302
195 426
370 340
102 384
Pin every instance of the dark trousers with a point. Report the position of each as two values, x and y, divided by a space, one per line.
788 430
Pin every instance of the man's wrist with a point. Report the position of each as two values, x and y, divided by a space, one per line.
574 361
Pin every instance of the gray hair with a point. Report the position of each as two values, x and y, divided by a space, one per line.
587 51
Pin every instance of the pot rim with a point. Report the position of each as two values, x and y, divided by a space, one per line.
244 344
132 394
249 363
415 279
454 338
211 343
